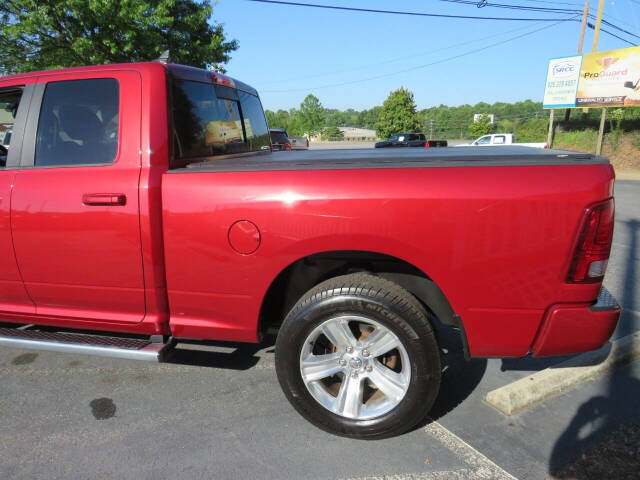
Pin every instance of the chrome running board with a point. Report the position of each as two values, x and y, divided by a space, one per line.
116 347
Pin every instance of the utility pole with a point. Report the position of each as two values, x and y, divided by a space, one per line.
583 27
550 134
585 15
596 33
431 129
596 37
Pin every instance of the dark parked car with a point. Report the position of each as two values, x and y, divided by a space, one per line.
279 139
410 140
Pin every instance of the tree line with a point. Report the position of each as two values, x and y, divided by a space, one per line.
399 113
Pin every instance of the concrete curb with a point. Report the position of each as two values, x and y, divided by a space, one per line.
528 391
628 174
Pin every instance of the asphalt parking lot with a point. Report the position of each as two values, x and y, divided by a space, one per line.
216 411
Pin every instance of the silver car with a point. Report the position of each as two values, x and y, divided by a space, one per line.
299 143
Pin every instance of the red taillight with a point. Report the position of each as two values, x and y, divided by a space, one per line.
594 244
287 146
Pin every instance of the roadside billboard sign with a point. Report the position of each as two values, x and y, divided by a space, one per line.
562 82
610 78
492 117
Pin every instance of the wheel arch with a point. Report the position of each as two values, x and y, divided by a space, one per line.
303 274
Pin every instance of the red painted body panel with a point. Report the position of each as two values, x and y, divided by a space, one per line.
498 253
13 295
154 162
573 329
14 299
496 240
78 260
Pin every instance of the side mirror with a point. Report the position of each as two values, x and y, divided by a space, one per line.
629 85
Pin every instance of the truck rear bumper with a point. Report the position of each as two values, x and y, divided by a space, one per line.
571 329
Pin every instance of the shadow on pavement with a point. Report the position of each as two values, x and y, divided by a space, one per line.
531 363
225 355
460 378
602 414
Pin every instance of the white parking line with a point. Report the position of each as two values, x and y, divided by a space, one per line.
462 474
481 466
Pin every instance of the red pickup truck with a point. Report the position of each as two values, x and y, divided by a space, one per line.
144 199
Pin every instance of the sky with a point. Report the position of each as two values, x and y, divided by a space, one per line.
354 59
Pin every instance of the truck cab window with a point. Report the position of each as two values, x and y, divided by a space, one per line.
204 125
9 101
483 140
255 123
78 123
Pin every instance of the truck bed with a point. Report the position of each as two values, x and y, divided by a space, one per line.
398 158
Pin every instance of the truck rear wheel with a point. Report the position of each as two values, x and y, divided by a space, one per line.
357 357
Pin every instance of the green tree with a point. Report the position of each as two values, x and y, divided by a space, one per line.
368 118
616 117
279 119
311 116
533 130
482 126
332 133
45 34
398 114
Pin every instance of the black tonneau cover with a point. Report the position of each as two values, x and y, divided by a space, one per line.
395 158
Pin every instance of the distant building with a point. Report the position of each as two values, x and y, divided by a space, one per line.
352 134
358 134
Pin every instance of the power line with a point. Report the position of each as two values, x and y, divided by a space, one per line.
592 27
470 52
618 19
539 9
513 7
555 3
618 28
396 12
536 9
397 59
633 12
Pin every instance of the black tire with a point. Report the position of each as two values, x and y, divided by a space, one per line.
384 302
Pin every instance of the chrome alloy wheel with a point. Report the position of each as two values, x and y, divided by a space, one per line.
355 367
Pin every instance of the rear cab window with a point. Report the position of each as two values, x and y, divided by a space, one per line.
211 121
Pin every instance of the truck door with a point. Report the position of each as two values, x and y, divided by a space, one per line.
14 104
75 212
